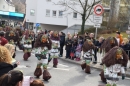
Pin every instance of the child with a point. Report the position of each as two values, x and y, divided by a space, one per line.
37 83
78 51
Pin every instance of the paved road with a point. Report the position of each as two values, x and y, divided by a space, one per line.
66 74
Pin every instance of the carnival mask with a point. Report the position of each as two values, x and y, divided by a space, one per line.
12 34
44 39
112 41
119 54
55 34
89 42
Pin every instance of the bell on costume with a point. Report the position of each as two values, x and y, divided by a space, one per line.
38 72
46 75
83 66
87 69
102 76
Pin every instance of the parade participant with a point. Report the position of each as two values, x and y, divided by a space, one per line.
13 39
3 40
42 47
88 47
55 48
119 38
114 62
20 32
27 40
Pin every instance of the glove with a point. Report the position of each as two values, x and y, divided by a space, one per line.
123 76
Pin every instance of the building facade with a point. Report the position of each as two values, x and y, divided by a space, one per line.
51 16
6 5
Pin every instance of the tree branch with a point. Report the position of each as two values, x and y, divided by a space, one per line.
81 4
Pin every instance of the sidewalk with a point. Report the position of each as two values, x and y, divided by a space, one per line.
96 66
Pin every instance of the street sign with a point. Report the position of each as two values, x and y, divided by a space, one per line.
98 10
37 24
97 25
97 19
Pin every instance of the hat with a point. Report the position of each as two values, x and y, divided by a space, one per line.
118 32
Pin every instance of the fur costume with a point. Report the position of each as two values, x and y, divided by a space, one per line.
109 43
88 47
42 46
13 38
27 44
114 62
55 48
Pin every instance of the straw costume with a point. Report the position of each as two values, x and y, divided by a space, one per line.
42 48
27 40
55 48
88 47
114 62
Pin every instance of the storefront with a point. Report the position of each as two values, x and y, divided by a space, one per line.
12 16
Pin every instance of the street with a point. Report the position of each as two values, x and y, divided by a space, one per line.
66 74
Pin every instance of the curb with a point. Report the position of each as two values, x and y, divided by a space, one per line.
78 63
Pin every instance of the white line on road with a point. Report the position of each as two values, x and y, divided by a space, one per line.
58 68
63 65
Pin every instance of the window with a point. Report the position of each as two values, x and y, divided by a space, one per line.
74 15
32 12
47 12
60 13
54 13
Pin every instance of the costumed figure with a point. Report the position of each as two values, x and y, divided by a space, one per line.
55 48
88 48
42 48
114 62
12 38
27 40
20 32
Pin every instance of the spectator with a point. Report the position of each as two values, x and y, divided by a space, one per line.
68 44
37 83
6 61
12 78
62 43
3 40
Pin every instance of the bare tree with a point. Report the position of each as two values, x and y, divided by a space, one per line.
85 10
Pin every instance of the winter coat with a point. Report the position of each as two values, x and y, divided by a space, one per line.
5 68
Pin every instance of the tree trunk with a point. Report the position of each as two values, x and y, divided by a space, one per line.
83 24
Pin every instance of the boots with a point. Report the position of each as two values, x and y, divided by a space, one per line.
87 70
29 54
25 56
55 62
83 66
38 72
102 76
46 75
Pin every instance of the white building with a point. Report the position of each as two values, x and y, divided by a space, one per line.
6 5
51 16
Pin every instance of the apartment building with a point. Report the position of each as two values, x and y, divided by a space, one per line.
51 16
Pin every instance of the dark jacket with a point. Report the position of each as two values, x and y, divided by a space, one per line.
5 68
62 40
68 44
126 48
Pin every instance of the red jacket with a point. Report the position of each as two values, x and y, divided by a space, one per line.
3 41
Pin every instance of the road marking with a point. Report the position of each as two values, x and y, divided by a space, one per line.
61 69
63 65
22 66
